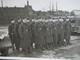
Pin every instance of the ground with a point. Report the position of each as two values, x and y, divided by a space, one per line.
65 52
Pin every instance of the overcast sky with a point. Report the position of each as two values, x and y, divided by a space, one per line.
67 5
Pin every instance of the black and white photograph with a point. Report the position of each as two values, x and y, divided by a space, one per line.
46 29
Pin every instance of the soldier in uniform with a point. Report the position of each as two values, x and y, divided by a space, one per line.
48 36
52 32
67 31
25 35
59 32
33 32
11 33
55 33
44 33
61 39
39 38
16 30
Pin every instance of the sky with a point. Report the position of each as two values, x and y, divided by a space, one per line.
44 5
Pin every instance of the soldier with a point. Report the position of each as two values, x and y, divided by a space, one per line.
55 33
61 39
39 38
48 36
33 32
59 31
11 33
16 29
67 31
52 32
44 33
25 35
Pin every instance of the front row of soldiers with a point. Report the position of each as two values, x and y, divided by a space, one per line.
43 33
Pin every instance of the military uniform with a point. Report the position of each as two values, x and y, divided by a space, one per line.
55 34
52 32
39 38
11 33
48 36
25 35
61 39
33 33
17 36
67 31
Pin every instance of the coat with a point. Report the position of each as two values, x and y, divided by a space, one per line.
67 30
11 32
39 37
25 35
61 32
53 30
48 36
16 29
55 33
17 36
33 32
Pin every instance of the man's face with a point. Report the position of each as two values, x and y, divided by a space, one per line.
26 21
13 21
19 20
61 20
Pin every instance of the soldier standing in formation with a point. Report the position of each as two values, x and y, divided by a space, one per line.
11 33
67 31
25 35
48 35
39 38
54 33
17 36
61 36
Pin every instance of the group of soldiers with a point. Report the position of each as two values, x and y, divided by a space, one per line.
39 33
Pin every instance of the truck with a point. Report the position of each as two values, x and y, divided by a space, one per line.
75 24
5 43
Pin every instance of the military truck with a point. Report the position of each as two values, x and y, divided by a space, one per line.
75 24
5 42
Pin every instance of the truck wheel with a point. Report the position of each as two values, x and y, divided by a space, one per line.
4 52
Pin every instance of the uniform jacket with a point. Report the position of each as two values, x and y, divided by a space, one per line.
25 35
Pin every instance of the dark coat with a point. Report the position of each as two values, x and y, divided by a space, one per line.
67 30
33 32
11 32
47 33
25 35
16 30
53 30
49 38
39 37
61 32
55 33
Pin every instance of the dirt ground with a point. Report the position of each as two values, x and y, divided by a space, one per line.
64 52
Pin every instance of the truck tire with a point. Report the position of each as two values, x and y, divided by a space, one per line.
4 52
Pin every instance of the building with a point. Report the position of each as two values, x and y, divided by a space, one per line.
8 13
